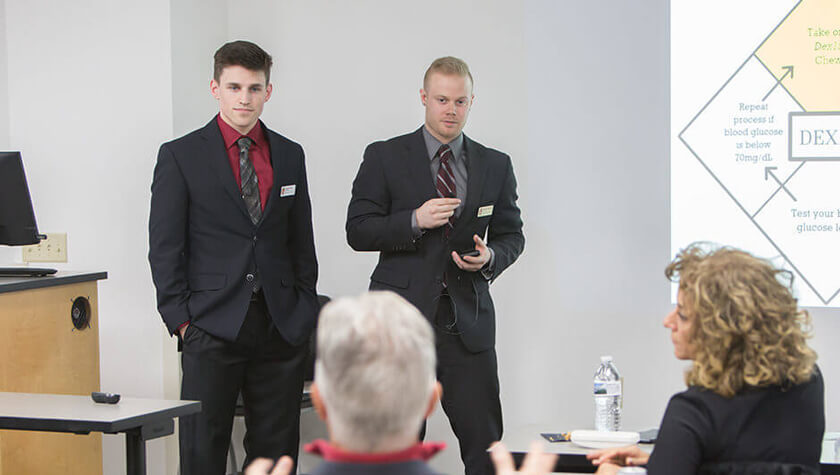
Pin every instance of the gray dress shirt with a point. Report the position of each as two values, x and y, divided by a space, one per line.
459 169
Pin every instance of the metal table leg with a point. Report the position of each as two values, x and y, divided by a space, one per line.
135 452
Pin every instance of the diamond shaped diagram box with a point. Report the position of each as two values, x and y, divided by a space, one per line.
770 138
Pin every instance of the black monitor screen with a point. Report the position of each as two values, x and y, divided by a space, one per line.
17 220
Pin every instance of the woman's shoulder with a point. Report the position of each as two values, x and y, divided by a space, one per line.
704 401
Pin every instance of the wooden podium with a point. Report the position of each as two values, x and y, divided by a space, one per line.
43 351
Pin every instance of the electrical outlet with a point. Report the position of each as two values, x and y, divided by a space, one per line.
52 249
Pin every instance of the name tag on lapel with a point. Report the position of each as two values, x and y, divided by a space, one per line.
289 190
485 211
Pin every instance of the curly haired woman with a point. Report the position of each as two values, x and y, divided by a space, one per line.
754 402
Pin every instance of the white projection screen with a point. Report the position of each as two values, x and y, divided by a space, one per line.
755 134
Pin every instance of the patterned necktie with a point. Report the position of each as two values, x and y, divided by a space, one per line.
445 182
248 178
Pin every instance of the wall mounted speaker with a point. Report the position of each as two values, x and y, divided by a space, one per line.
80 313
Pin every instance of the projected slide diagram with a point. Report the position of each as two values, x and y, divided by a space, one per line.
770 137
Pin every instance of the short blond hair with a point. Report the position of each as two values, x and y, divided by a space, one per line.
746 327
448 65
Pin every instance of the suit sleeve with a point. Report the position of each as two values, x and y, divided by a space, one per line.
504 234
371 223
168 240
302 240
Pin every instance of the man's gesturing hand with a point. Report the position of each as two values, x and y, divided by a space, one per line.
436 212
470 263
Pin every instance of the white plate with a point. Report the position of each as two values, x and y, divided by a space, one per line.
594 444
591 439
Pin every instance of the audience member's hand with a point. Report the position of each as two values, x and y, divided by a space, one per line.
436 212
607 468
631 455
261 466
535 463
470 263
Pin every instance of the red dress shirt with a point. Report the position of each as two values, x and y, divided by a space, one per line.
420 451
259 154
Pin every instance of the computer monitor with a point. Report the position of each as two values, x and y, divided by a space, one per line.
17 219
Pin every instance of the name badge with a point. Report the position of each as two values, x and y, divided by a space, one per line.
289 190
485 211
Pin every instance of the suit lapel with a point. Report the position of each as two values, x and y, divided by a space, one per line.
417 158
476 173
276 167
217 156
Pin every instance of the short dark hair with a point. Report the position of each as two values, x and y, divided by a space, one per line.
241 53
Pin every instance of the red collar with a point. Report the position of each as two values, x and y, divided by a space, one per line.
331 453
231 135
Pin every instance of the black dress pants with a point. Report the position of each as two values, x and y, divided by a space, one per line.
470 393
269 373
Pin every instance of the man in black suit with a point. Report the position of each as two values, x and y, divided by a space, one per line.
422 200
233 260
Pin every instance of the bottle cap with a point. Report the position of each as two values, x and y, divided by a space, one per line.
606 359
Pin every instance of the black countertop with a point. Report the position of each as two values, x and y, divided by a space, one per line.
14 284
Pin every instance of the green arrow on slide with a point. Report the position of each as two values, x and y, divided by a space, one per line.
788 70
769 171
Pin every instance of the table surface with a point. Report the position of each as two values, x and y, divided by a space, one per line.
65 413
518 440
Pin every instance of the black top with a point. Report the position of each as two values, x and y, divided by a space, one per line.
769 424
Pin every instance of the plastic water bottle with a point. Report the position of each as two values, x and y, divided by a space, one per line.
607 392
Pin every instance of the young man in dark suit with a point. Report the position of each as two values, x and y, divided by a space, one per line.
422 200
233 261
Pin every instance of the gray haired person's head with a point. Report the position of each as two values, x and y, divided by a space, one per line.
375 371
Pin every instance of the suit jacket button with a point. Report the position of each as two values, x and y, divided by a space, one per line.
249 277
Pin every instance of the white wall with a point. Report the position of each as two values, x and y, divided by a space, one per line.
8 255
89 101
598 212
94 89
4 81
195 37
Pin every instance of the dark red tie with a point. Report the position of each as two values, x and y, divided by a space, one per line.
445 182
248 176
